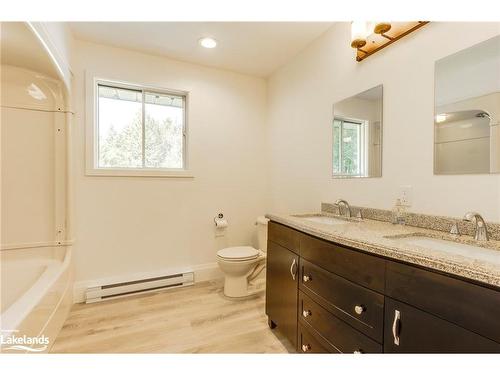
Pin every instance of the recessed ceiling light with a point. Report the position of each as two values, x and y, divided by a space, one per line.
208 42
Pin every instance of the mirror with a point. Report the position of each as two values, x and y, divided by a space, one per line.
467 111
357 135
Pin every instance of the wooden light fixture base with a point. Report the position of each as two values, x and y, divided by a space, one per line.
384 35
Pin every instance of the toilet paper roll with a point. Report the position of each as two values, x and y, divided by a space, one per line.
220 223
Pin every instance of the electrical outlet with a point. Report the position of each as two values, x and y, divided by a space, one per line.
405 195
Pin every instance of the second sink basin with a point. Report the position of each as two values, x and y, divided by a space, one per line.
452 247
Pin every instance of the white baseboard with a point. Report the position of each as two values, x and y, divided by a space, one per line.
202 272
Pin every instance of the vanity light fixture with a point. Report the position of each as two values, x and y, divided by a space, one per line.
208 42
370 37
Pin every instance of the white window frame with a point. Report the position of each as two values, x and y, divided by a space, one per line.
91 147
362 146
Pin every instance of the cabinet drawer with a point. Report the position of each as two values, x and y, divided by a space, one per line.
356 266
312 342
473 307
342 336
284 236
360 307
415 331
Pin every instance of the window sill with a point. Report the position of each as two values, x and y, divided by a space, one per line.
129 172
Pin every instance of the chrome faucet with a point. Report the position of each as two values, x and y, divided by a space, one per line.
481 232
344 203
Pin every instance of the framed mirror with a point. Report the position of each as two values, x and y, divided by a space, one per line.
357 135
467 111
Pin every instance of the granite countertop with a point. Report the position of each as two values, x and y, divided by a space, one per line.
389 240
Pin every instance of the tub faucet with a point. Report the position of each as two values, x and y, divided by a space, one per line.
481 231
342 202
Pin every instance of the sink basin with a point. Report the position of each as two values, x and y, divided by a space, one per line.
323 219
455 248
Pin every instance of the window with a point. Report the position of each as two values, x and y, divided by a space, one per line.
348 147
137 131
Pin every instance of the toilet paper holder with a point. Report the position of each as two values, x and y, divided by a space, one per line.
219 216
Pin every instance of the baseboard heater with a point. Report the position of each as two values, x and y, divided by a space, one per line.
117 290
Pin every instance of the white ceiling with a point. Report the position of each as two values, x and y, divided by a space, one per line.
255 48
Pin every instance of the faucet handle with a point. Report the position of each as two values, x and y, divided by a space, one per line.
454 229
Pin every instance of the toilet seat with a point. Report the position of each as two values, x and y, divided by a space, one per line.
238 253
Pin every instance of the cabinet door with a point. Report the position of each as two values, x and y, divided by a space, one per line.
281 290
409 330
473 307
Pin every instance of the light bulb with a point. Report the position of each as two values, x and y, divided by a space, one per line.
359 33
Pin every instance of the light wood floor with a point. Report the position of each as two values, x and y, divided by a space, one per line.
196 319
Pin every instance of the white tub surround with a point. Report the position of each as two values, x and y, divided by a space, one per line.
35 267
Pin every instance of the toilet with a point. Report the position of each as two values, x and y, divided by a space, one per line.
242 265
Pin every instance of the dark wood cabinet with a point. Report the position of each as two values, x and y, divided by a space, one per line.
339 334
282 289
358 306
410 330
328 298
311 342
363 269
471 306
284 236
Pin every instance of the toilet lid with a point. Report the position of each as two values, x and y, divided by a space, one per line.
238 253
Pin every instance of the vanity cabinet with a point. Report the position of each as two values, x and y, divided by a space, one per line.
282 282
328 298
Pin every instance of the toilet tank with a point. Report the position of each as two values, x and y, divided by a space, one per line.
262 233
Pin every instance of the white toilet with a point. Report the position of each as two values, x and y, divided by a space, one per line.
241 265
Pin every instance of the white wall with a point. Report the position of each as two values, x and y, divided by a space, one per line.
137 224
300 97
244 168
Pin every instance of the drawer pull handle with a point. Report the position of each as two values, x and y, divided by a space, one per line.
306 347
359 351
395 326
359 309
306 278
306 313
293 269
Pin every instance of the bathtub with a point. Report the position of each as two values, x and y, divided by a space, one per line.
35 295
